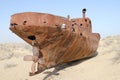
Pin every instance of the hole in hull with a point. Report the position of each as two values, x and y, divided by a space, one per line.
24 23
32 37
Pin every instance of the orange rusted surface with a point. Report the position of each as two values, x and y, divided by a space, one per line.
59 39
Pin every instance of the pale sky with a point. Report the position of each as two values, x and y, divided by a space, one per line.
105 14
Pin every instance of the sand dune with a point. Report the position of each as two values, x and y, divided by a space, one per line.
104 66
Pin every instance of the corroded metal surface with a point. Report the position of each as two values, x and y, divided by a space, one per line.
59 39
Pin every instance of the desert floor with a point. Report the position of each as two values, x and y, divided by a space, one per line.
104 66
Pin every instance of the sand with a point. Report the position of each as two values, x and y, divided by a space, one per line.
104 66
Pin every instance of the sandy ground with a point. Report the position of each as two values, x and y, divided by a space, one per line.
104 66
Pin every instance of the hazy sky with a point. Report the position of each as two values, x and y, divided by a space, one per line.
105 14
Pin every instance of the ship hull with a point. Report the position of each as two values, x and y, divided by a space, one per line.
57 44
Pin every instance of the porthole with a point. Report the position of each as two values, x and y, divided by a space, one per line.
80 24
80 34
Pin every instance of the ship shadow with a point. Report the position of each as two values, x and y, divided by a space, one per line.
66 65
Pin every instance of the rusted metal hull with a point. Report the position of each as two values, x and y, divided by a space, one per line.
59 39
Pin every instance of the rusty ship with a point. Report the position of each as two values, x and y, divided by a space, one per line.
60 39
